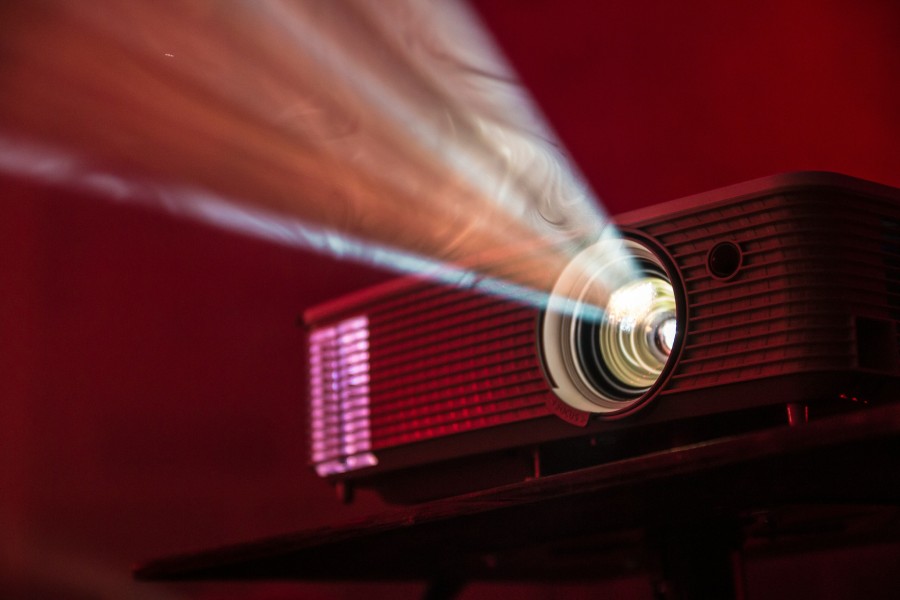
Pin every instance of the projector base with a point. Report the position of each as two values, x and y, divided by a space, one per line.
669 515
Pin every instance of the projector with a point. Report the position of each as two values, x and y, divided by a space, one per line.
748 307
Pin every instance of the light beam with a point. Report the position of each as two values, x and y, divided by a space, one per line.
388 132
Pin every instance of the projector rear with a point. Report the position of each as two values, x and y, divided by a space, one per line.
786 293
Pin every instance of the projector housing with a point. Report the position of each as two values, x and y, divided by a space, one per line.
788 294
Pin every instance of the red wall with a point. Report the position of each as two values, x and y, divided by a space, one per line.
657 100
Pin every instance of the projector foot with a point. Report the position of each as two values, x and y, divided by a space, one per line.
797 413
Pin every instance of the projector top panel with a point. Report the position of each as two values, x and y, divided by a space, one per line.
764 186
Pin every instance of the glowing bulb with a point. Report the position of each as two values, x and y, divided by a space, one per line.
630 304
665 335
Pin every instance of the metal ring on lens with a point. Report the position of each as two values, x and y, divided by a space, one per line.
611 327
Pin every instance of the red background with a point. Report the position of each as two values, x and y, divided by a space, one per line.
152 376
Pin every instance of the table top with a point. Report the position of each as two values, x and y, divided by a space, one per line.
832 481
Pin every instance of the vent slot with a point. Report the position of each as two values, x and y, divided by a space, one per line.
807 264
340 430
452 361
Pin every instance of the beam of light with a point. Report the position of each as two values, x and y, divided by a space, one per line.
25 159
387 132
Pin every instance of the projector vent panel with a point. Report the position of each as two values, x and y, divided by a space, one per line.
447 361
808 265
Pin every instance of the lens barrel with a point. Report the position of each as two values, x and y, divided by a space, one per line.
611 329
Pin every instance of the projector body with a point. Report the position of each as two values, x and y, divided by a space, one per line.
788 295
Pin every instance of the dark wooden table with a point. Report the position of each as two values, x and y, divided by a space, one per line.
835 481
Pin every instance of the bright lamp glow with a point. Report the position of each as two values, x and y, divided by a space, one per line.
393 133
640 315
605 352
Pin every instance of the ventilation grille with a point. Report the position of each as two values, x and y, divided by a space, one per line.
809 266
340 431
446 361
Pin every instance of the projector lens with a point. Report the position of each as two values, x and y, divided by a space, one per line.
611 327
630 334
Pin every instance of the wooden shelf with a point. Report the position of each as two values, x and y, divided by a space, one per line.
787 489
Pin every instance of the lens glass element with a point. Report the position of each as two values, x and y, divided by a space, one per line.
633 328
611 328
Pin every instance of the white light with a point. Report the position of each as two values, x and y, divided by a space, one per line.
630 304
666 333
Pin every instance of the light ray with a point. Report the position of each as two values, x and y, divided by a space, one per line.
391 133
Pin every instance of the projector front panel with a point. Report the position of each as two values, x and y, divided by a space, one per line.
813 263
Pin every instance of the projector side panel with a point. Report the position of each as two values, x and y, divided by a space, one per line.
450 361
436 362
